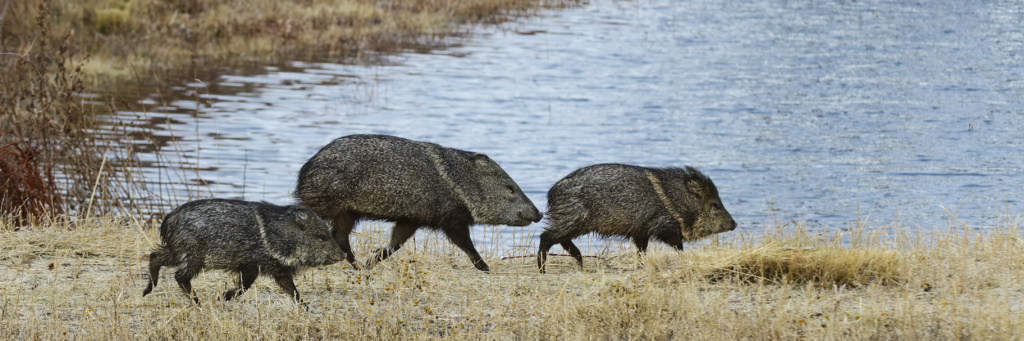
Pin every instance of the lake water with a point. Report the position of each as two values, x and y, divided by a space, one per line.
814 111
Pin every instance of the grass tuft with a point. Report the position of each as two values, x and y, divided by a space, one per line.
827 266
109 20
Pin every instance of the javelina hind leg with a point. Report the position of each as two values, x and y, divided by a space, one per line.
401 233
542 252
247 277
288 285
343 224
460 237
184 277
573 251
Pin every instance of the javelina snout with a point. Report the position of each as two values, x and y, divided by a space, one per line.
673 205
244 237
525 214
530 217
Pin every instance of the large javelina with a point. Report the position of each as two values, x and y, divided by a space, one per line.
671 204
413 184
245 237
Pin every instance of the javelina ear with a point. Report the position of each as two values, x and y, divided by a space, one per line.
696 188
301 215
479 158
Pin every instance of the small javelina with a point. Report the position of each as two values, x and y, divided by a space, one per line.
414 184
671 204
245 237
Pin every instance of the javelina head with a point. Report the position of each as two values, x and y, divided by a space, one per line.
299 239
494 198
711 216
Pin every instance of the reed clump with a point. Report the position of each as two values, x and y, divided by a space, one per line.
82 278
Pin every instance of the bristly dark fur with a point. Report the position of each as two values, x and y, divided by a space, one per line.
673 205
413 184
244 237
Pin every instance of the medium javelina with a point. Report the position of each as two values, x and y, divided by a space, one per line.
245 237
671 204
413 184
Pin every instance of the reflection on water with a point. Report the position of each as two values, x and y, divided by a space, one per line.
818 112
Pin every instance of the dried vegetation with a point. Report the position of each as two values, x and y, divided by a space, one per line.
66 274
51 161
125 37
60 154
85 282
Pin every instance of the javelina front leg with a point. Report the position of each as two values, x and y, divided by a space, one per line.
675 239
641 246
401 233
288 285
343 224
460 237
247 277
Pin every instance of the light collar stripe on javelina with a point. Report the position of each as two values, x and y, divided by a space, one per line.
292 260
443 173
673 205
664 198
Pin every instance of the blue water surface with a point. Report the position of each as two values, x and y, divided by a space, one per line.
895 113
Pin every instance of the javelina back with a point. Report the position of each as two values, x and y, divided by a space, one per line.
413 184
670 204
245 237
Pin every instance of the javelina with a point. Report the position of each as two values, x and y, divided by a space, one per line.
413 184
245 237
671 204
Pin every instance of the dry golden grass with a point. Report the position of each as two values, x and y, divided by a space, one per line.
125 37
83 279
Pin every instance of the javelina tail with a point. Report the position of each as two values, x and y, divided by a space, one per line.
159 258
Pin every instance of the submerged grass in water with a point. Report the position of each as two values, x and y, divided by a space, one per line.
83 278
